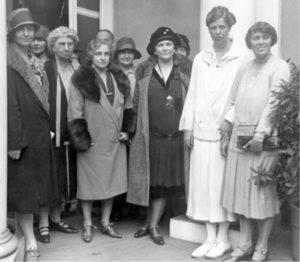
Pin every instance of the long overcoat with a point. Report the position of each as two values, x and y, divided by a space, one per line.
102 169
139 162
31 180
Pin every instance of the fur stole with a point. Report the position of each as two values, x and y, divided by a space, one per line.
17 63
84 79
145 68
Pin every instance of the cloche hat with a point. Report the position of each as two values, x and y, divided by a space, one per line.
184 42
162 33
127 43
43 32
19 17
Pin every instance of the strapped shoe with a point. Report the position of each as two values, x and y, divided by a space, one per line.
240 254
142 231
260 255
31 255
110 231
44 235
202 250
87 234
218 250
156 237
62 227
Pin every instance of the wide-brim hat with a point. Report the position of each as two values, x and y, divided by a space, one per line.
162 33
19 17
127 43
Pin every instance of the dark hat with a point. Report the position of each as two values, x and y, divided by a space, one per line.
19 17
184 42
162 33
127 43
43 32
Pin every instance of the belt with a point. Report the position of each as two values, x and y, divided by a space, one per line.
168 136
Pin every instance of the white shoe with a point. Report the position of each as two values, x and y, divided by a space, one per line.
218 250
202 250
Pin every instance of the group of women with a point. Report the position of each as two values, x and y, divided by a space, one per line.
178 109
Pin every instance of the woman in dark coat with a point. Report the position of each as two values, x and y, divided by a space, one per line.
31 177
156 164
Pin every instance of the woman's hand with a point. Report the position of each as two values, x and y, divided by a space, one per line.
225 128
14 154
254 146
224 144
188 139
123 136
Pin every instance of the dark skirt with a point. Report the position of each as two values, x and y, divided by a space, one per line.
166 166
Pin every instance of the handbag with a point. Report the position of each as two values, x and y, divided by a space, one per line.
246 132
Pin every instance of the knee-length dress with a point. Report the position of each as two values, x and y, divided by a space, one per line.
102 169
166 143
203 113
252 100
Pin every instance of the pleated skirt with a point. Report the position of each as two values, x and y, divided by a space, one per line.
242 196
205 183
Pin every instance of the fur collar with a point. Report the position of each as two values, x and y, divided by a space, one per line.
15 62
145 68
84 79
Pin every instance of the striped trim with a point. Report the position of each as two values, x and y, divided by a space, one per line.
88 12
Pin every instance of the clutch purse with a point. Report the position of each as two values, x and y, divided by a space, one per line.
246 132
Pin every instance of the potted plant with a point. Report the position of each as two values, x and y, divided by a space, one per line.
286 172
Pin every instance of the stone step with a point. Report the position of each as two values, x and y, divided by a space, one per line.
181 227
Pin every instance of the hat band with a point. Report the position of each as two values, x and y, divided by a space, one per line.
126 46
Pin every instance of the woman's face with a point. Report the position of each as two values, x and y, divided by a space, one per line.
219 31
164 50
181 51
126 57
260 44
101 58
63 48
38 46
24 35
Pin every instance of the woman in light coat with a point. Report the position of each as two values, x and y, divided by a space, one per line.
213 73
250 105
98 101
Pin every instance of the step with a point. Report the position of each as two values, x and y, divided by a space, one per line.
181 227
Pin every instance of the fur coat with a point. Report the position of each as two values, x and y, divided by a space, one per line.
139 172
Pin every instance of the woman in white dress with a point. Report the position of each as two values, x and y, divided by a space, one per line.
213 73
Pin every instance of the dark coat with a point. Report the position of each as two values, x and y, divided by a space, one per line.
31 180
60 151
139 162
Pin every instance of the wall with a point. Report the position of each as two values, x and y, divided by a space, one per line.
140 18
290 46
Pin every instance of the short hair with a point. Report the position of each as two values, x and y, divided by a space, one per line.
61 31
264 28
109 32
92 46
218 12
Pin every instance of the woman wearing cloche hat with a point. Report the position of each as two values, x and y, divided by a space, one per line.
30 162
156 166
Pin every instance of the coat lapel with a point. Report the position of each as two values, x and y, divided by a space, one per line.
15 62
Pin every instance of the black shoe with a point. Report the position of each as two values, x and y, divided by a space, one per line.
156 237
110 231
44 235
142 231
62 227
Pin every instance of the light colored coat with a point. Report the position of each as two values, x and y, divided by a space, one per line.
139 162
102 169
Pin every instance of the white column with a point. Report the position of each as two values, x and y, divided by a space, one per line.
73 14
8 242
106 15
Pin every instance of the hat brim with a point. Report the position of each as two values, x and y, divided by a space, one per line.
136 53
151 45
35 25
